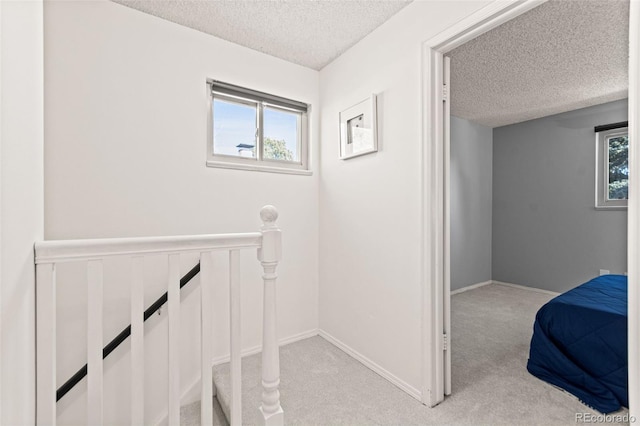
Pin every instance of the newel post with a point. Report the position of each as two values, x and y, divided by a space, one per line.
269 255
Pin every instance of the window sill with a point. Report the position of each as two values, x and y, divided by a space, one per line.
611 207
258 168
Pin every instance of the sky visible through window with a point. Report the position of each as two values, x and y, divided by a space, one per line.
235 123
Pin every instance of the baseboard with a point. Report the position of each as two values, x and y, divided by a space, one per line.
257 349
192 392
471 287
372 366
524 287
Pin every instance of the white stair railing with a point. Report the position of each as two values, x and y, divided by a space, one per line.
50 253
269 255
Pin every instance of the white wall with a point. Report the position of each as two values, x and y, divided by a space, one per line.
126 134
370 206
21 202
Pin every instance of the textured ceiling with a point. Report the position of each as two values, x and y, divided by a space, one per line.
560 56
310 33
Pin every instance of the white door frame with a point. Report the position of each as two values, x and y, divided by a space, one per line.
435 235
1 332
633 211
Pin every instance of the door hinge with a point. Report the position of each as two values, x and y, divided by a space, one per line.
445 92
445 342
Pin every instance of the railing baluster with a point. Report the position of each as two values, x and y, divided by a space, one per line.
46 344
137 341
174 338
94 343
236 340
269 255
206 329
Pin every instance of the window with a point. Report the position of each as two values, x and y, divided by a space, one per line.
612 156
252 130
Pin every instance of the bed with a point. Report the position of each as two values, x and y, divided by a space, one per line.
579 343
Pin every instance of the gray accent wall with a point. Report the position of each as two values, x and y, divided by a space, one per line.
546 231
471 158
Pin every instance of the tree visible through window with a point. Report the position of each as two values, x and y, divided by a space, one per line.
618 185
612 183
277 150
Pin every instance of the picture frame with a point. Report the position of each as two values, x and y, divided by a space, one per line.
359 129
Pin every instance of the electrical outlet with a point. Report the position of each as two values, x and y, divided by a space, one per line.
604 272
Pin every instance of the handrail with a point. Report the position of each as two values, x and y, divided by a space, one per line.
94 252
122 336
79 250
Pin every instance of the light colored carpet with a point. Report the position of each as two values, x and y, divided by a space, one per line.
321 385
492 328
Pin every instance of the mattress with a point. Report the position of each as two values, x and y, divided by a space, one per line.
579 343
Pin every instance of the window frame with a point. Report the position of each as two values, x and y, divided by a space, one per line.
231 93
602 167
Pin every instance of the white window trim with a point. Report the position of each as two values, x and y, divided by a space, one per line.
602 170
258 163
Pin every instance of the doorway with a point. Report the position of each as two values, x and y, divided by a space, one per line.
436 242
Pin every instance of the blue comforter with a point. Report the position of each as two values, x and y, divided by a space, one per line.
579 343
